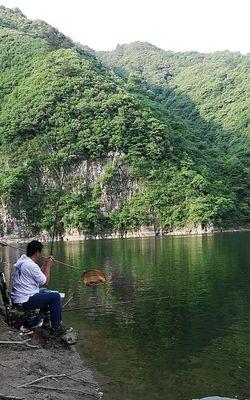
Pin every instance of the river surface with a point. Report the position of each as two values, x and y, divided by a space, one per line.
144 346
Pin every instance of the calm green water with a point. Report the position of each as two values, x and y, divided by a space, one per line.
195 344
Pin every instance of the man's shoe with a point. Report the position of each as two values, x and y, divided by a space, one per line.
61 330
33 322
46 321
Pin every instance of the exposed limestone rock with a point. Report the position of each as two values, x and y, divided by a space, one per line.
111 173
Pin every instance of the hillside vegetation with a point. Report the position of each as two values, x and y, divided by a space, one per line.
210 93
209 88
61 107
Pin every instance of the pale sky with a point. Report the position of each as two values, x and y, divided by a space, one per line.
178 25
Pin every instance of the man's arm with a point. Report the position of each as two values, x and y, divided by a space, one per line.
3 243
46 268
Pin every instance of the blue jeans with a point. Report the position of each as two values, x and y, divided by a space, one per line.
46 300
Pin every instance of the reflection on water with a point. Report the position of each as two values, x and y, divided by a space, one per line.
194 345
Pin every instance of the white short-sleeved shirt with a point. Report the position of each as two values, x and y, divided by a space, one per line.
26 280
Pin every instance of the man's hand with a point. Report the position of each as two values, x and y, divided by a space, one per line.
3 243
48 262
46 268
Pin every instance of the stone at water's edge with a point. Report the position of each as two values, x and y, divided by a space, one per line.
215 398
70 337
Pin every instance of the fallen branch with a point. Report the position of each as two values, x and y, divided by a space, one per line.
5 397
68 389
14 341
19 342
53 377
40 379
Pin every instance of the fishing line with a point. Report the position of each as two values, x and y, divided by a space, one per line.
57 261
117 303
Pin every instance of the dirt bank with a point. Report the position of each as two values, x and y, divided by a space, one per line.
34 360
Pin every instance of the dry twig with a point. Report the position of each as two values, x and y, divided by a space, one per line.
19 342
5 397
40 379
54 376
64 389
3 365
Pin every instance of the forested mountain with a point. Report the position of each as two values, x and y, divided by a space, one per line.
209 92
212 87
111 145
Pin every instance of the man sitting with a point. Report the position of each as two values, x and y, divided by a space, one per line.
27 279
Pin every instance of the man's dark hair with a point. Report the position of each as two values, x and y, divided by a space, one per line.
33 247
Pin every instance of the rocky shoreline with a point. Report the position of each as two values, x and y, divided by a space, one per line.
34 369
143 232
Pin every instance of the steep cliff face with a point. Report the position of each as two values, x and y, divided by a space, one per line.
110 175
8 223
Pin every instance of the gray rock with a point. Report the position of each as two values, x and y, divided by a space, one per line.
215 398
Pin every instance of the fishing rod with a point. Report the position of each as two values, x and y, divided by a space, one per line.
62 173
57 213
91 277
57 261
54 224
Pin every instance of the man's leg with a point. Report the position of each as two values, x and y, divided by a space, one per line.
50 299
44 311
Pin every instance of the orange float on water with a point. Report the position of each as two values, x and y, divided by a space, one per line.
94 277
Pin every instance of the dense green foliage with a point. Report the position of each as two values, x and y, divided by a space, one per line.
14 19
209 89
61 108
210 93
